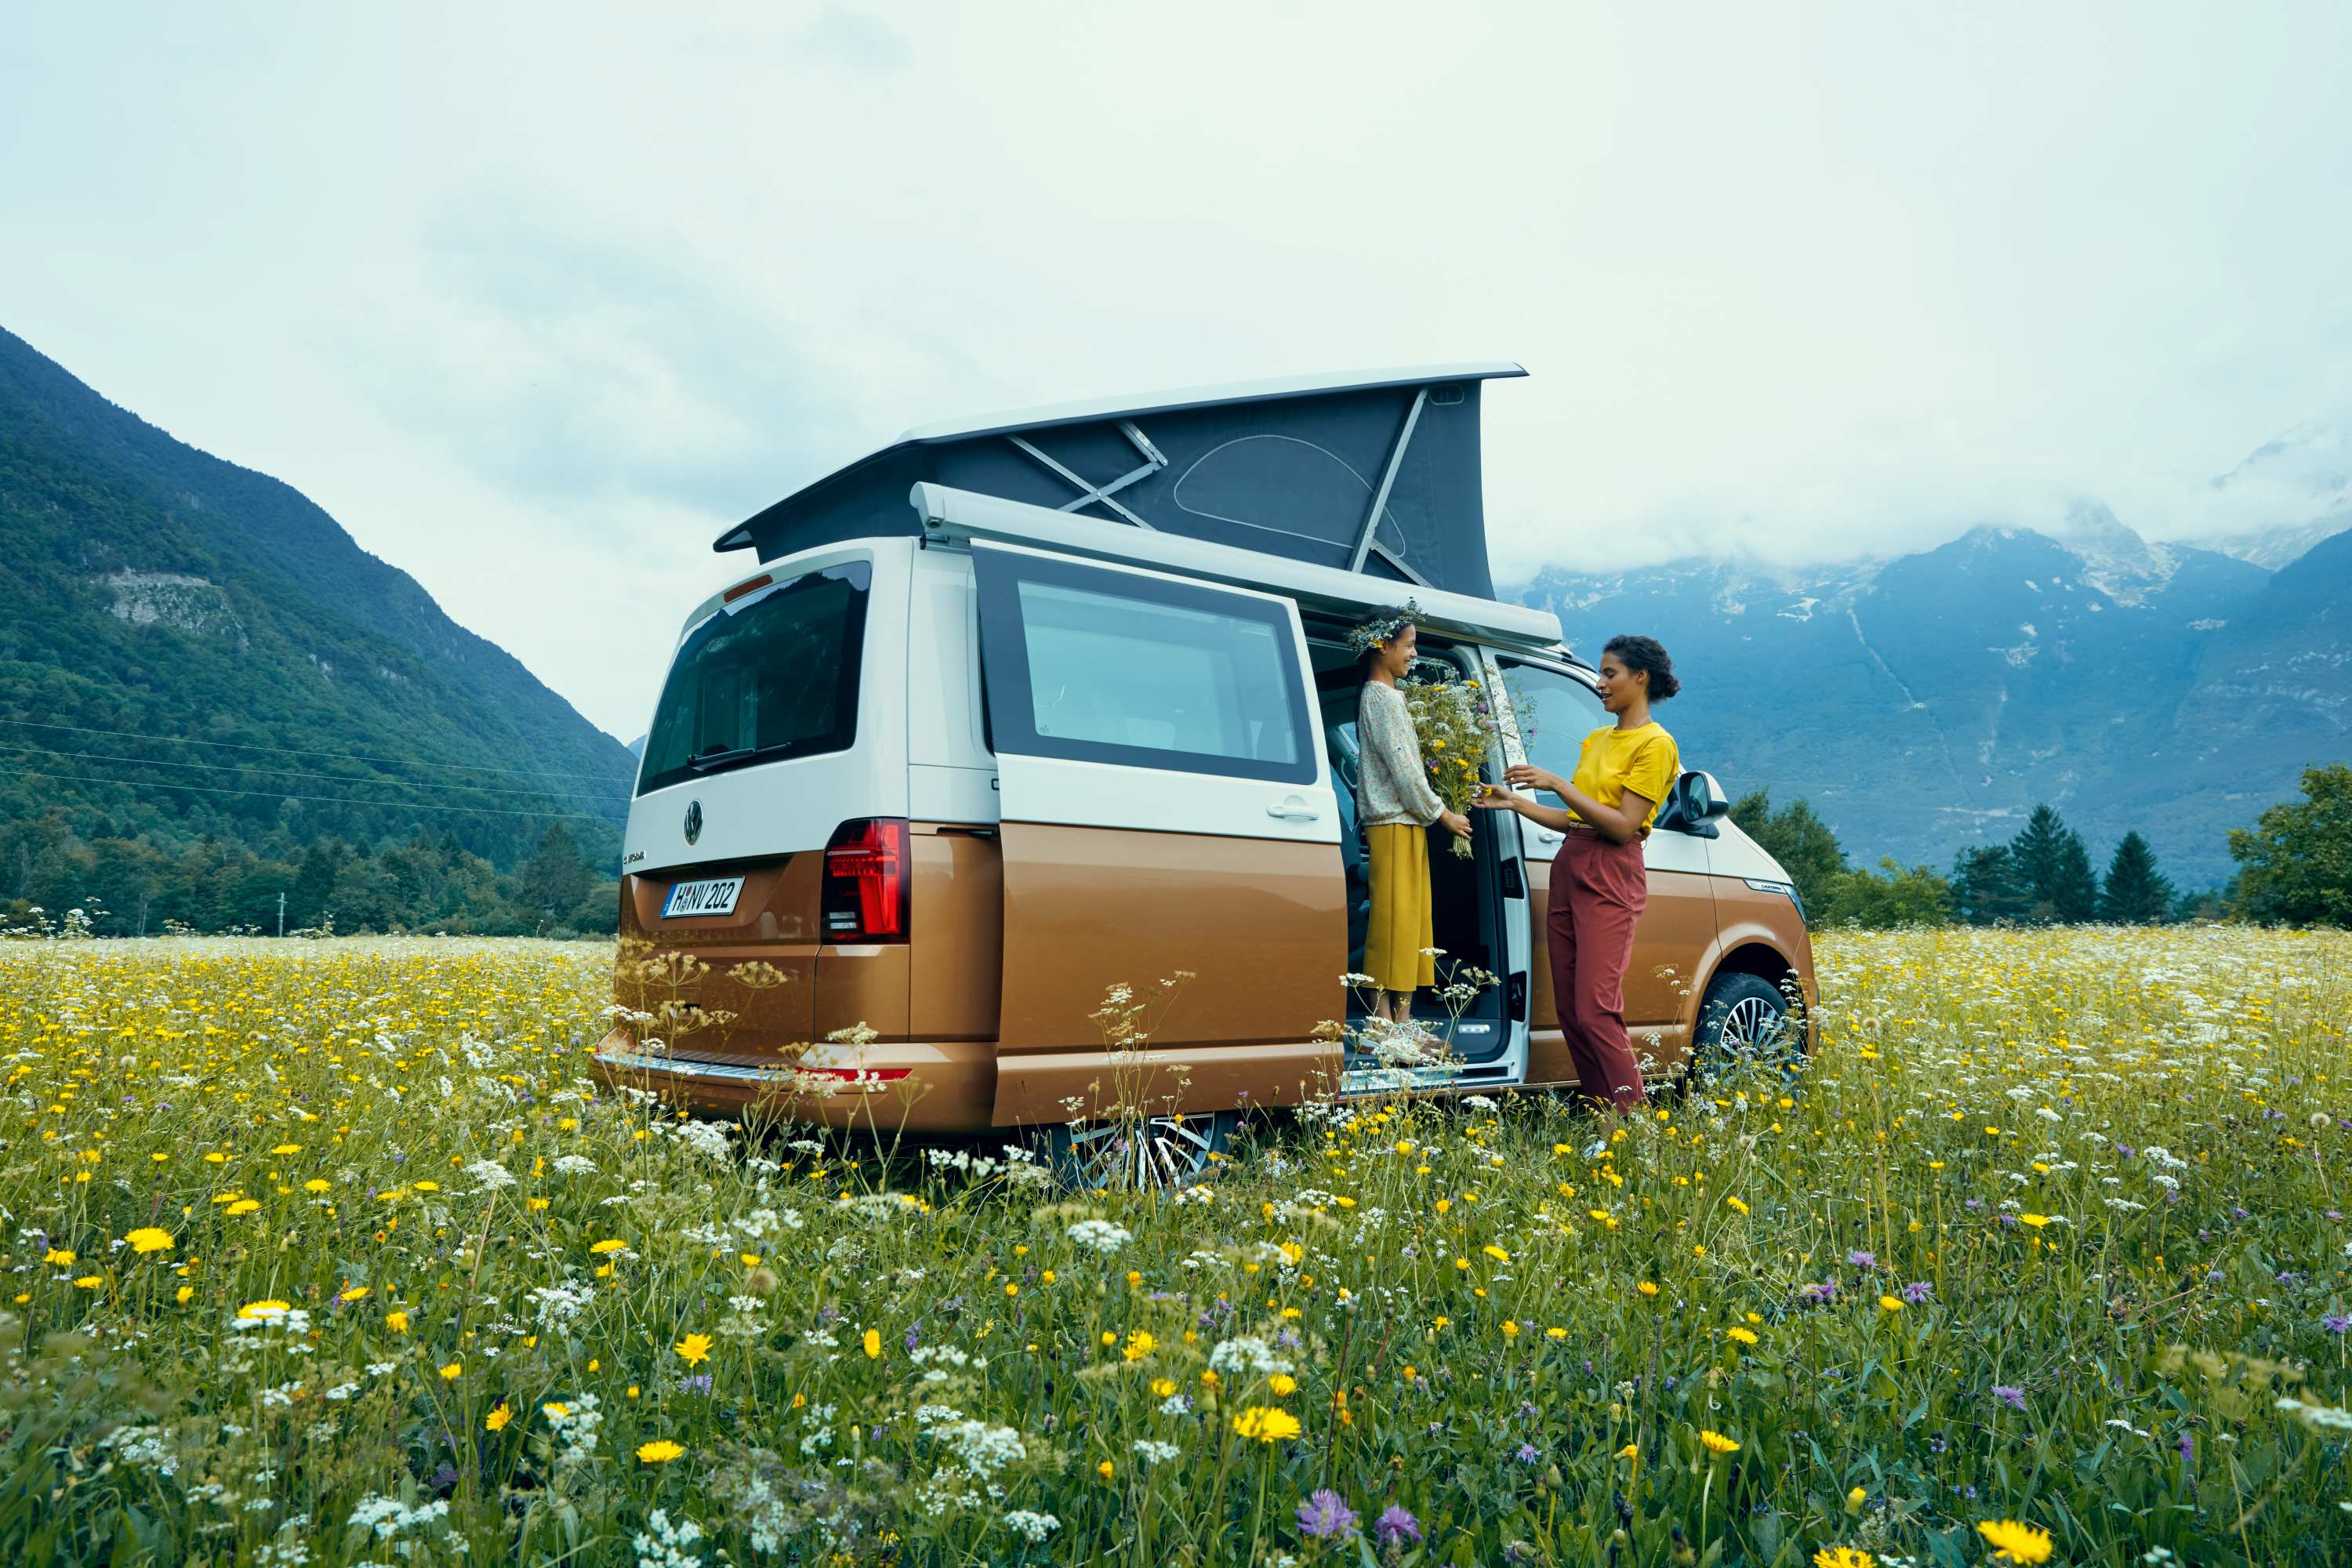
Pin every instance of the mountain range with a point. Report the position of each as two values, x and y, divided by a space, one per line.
1926 703
191 651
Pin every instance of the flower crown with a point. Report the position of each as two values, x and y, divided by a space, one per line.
1375 632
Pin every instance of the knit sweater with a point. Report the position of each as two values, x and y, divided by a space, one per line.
1392 784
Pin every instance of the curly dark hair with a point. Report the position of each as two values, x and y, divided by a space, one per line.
1646 654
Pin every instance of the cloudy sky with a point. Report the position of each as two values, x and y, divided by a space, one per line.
535 300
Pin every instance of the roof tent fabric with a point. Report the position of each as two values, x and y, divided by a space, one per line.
1290 468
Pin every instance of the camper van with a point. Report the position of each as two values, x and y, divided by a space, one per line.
1016 711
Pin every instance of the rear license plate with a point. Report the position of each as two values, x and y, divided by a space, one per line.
714 896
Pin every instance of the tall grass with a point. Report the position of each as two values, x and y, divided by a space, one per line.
2048 1234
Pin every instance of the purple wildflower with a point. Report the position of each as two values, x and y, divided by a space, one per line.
2335 1322
1825 1292
1918 1293
2009 1394
1528 1454
1326 1516
1395 1526
2188 1448
1863 1260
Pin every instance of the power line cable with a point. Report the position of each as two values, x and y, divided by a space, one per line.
298 773
318 799
302 751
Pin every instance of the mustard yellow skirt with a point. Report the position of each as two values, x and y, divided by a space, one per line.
1393 947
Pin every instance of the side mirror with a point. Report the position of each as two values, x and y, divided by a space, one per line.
1708 801
1694 806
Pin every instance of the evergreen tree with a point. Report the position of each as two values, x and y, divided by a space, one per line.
2073 887
2054 866
2135 894
551 884
1989 888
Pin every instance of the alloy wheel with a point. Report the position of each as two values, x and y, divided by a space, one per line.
1159 1152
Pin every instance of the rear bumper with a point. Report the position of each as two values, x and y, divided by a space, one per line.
948 1087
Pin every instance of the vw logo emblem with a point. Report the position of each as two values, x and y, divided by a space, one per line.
693 820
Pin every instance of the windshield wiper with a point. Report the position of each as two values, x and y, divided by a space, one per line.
702 763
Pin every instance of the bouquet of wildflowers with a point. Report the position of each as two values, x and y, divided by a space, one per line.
1456 726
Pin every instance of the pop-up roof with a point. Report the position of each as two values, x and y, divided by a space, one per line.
1375 472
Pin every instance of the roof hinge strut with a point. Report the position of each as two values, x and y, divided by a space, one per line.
1388 480
1090 495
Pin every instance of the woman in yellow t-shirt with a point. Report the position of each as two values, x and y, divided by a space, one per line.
1599 885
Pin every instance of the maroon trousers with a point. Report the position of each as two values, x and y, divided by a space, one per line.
1598 892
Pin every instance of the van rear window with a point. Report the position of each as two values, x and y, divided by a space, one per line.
768 678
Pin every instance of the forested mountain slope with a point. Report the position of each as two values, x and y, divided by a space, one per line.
191 651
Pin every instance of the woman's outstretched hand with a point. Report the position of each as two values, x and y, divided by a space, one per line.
1490 798
1455 823
1526 775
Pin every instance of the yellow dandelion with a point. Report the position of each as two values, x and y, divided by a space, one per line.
2036 1220
1717 1442
396 1320
2015 1541
453 1371
609 1245
1890 1303
1267 1424
1139 1345
1744 1336
263 1311
693 1349
660 1451
58 1257
1282 1383
496 1421
150 1238
1843 1557
873 1342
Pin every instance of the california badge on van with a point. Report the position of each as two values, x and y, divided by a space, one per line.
1016 710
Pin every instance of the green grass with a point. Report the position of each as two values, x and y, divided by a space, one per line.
2095 1168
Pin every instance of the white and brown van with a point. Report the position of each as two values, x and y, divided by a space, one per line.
1014 712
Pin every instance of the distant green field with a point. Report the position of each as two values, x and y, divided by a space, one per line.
330 1252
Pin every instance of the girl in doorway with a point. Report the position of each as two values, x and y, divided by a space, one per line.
1395 804
1599 885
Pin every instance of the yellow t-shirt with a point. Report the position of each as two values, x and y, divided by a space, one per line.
1644 760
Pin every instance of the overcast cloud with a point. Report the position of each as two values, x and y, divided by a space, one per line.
537 300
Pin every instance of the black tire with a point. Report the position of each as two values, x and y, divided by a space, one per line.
1745 1020
1160 1153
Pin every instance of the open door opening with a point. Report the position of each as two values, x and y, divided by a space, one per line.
1467 894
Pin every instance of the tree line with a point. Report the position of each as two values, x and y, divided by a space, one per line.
50 877
2294 867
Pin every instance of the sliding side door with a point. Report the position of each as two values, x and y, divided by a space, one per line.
1166 807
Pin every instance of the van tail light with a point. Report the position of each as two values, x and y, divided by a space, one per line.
865 877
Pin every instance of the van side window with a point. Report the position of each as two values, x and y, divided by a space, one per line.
1563 711
1109 666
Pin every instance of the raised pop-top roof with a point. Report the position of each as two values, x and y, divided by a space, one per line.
1375 472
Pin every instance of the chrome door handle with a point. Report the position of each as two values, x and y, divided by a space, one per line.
1548 835
1293 810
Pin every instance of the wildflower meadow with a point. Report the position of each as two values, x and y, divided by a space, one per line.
333 1252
